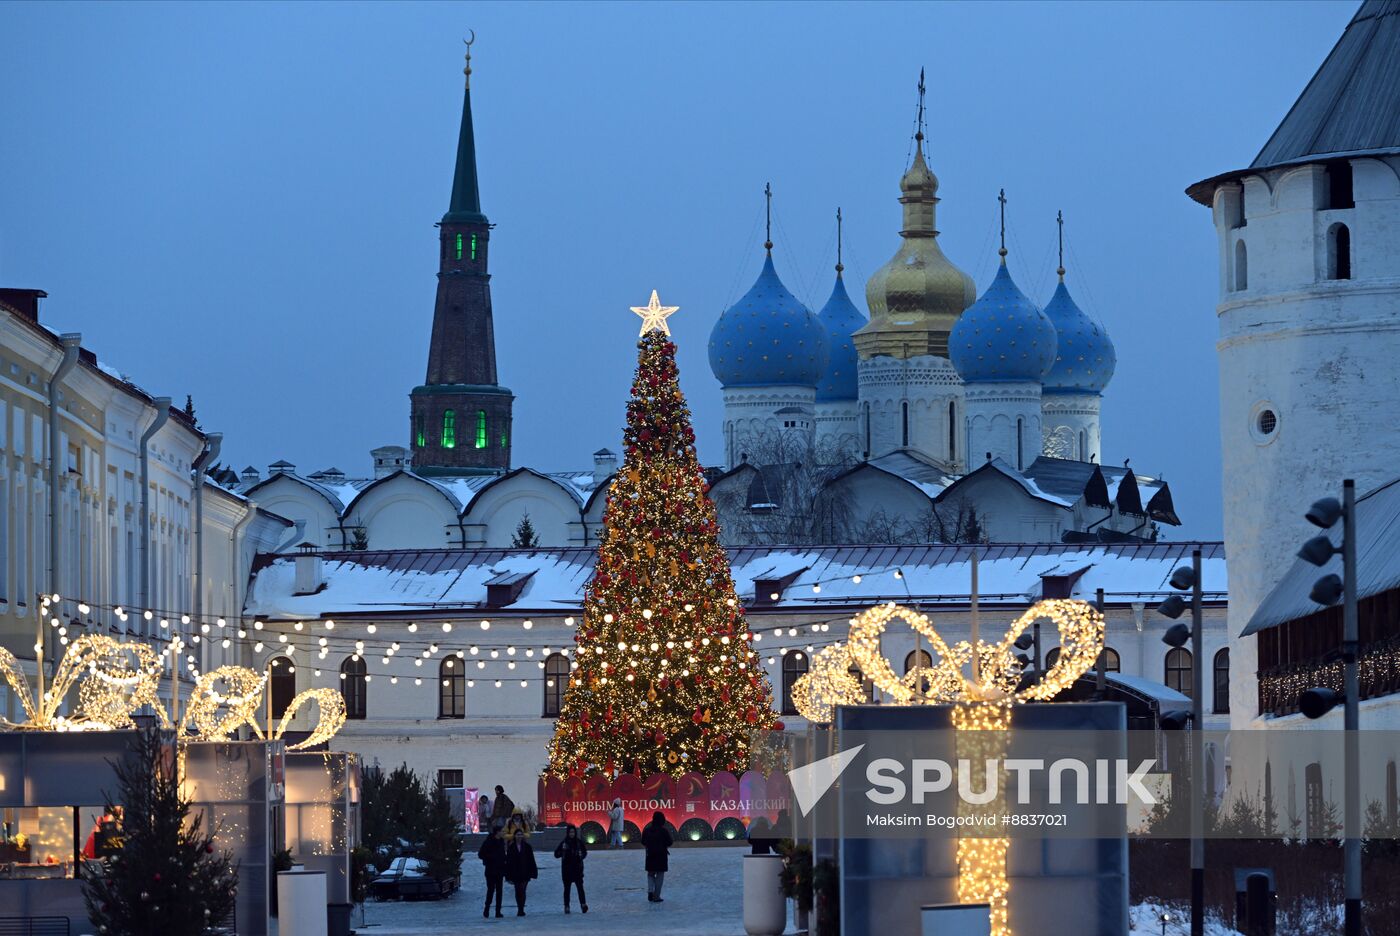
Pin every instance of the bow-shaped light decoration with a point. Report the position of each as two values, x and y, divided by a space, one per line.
113 679
827 683
215 715
982 701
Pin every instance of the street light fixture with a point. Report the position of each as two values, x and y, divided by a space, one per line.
1173 606
1318 701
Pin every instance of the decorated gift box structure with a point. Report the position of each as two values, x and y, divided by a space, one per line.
719 806
61 780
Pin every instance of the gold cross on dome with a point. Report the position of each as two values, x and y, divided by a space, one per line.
654 315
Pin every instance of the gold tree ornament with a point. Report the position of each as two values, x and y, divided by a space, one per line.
654 316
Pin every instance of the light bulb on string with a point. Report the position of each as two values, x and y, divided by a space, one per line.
370 628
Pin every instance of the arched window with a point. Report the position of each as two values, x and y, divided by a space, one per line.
1083 454
1178 670
904 423
794 665
282 685
1111 661
1338 252
1020 437
449 429
481 429
420 434
452 688
1314 804
952 431
867 686
459 246
1241 266
1222 681
473 248
924 661
353 684
866 409
556 680
1392 797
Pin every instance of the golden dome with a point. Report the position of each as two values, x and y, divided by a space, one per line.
916 297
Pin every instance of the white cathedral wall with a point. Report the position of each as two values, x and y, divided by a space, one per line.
1071 422
1003 420
752 423
493 517
1320 354
838 429
405 512
291 499
930 388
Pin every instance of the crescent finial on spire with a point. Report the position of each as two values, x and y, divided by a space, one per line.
467 71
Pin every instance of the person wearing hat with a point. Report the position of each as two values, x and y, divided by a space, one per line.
615 824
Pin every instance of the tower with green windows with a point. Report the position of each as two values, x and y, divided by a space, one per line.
460 422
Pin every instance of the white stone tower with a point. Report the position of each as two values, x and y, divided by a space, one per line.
1309 316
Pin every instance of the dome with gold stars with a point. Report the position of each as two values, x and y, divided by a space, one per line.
1004 337
768 338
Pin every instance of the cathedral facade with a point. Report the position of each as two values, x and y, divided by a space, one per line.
942 417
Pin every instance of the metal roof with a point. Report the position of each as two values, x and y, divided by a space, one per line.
1377 562
447 581
1351 107
1352 104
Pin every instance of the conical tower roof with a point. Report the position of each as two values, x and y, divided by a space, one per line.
1351 107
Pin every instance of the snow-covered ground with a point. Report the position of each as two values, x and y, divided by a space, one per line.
702 894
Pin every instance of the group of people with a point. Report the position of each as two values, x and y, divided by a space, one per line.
507 857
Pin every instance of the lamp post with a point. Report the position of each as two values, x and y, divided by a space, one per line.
1317 702
1183 578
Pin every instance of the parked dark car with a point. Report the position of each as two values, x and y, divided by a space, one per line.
408 879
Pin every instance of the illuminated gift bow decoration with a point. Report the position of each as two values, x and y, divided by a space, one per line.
826 684
227 698
981 703
113 679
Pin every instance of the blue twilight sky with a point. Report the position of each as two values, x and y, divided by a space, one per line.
237 201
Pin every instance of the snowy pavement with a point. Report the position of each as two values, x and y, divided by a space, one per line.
702 895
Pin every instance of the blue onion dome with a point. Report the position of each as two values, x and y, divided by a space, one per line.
1084 355
841 318
768 338
1003 336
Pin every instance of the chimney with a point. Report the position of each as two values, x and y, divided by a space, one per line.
310 577
250 476
24 301
389 459
604 465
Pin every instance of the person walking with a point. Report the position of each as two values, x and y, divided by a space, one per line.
501 809
615 824
656 839
483 814
521 868
493 861
571 852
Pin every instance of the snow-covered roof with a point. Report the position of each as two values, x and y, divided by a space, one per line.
446 581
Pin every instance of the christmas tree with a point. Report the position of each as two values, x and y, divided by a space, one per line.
166 877
665 678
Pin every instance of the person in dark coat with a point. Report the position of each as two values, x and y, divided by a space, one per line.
521 868
571 852
493 859
656 839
